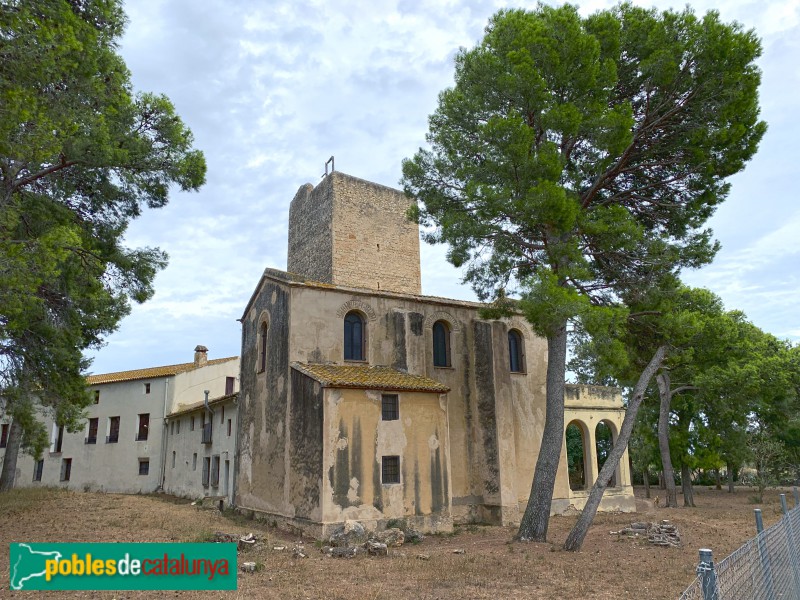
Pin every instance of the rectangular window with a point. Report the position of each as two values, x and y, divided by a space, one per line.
194 461
144 427
229 428
173 459
191 424
37 471
390 406
229 383
172 428
222 416
206 469
97 396
215 471
178 427
58 439
91 438
207 431
390 469
113 430
144 466
146 388
66 468
4 435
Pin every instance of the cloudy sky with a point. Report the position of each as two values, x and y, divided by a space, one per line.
272 89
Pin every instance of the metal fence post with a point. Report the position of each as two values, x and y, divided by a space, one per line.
796 497
791 542
783 504
708 576
762 552
759 520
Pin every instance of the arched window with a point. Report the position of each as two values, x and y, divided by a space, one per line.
354 334
441 344
516 356
262 347
604 441
576 461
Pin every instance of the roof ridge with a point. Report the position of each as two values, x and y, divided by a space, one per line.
378 377
147 372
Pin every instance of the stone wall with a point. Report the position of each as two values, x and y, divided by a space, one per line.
351 232
310 241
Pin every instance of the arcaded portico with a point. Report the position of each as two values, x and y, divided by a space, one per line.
592 419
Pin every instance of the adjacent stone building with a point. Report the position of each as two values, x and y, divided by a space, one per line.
362 399
145 433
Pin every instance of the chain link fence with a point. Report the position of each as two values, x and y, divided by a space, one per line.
766 567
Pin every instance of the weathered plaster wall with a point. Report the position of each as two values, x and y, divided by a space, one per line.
184 476
110 467
495 418
306 447
261 473
487 477
189 386
356 439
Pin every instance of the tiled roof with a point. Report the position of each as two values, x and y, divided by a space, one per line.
187 408
149 373
366 377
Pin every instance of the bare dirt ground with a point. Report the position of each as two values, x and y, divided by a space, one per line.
492 566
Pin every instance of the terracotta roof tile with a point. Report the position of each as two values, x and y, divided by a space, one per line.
149 373
366 377
188 408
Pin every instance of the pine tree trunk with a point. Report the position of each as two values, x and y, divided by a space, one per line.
578 533
661 484
663 440
646 477
718 478
12 453
731 488
534 522
686 485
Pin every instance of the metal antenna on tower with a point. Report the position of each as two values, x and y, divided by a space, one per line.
329 161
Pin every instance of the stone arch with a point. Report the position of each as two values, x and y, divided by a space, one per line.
524 327
605 434
577 440
441 315
358 305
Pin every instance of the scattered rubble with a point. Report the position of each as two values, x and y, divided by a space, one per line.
248 567
347 534
459 551
376 548
299 550
351 538
247 541
390 537
658 534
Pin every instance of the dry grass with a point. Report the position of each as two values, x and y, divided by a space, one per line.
492 567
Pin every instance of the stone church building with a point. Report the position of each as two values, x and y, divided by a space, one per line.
363 399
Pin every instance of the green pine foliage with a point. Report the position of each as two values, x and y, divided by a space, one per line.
575 161
81 155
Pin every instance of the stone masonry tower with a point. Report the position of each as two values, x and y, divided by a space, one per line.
351 232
